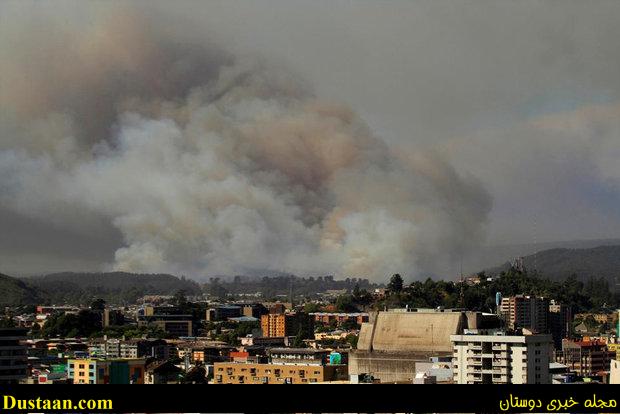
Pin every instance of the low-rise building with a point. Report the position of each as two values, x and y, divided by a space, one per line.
287 366
162 372
339 317
106 371
243 373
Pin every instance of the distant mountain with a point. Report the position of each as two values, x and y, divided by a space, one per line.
114 287
558 264
14 292
485 257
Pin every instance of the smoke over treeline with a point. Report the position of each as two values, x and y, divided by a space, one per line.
212 163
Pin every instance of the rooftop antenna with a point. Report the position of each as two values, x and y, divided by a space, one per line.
462 294
291 291
535 246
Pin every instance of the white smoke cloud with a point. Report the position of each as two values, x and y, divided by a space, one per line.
209 163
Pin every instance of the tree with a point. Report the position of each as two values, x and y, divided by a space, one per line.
180 299
352 340
350 324
97 305
396 283
6 322
196 375
344 303
311 307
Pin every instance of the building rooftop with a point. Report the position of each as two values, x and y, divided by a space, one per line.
298 351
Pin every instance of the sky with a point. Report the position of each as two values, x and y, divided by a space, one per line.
358 138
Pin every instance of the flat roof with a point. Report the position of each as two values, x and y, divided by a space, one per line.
298 351
502 338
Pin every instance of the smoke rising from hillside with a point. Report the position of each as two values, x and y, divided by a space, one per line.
210 163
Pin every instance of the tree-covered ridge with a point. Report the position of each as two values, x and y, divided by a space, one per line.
593 294
282 285
113 287
558 264
14 292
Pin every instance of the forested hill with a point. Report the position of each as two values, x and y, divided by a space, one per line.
558 264
114 287
14 292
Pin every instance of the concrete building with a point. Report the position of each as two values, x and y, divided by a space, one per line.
142 348
106 371
176 325
560 319
251 340
392 342
614 372
241 373
287 366
296 356
586 358
223 312
327 318
112 348
167 318
13 357
286 324
255 310
501 359
97 348
528 312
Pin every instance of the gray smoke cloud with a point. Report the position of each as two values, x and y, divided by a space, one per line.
149 134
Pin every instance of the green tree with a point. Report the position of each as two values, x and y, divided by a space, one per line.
312 307
352 340
396 283
6 322
344 303
97 305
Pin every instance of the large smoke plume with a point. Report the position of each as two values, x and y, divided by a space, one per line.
209 163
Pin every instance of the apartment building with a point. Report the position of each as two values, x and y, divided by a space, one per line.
244 373
13 358
286 324
167 318
139 348
559 321
528 312
106 371
586 358
501 359
176 325
334 317
287 366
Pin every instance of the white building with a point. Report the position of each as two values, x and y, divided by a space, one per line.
501 359
614 372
